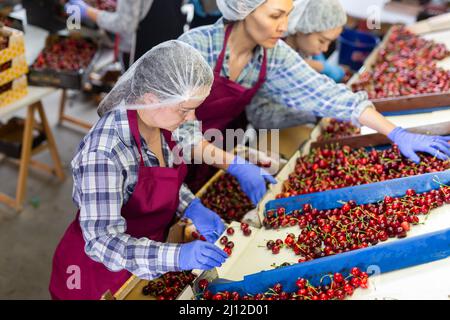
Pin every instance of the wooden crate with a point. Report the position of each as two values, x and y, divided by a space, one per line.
402 103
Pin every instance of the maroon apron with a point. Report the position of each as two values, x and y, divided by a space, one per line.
149 213
223 109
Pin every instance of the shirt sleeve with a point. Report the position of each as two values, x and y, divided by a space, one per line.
186 197
264 113
99 183
124 20
293 83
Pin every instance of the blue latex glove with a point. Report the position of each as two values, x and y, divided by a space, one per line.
207 222
201 255
410 143
80 4
319 57
251 178
335 72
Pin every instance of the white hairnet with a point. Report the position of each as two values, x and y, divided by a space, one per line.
236 10
173 72
311 16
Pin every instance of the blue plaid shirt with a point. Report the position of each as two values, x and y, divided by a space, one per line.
105 172
291 83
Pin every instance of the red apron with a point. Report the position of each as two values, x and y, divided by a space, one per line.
149 213
225 104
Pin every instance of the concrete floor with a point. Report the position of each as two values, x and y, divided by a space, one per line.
29 238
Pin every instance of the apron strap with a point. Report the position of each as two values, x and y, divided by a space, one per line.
133 123
263 71
168 136
221 58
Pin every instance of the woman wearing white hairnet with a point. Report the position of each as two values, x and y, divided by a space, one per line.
128 182
313 26
255 71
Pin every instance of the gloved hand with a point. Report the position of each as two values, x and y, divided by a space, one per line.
335 72
410 143
201 255
80 4
207 222
251 178
319 57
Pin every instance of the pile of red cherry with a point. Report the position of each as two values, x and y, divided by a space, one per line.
338 129
333 168
407 66
226 198
168 286
351 227
339 288
66 54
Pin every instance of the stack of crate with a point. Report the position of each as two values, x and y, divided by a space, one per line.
13 66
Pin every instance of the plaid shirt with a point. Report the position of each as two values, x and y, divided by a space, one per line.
105 172
290 83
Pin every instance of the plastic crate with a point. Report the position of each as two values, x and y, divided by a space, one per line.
355 47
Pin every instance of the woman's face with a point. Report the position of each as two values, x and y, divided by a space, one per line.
169 118
267 24
317 42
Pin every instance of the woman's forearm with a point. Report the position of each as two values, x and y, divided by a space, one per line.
316 65
373 119
92 13
206 152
